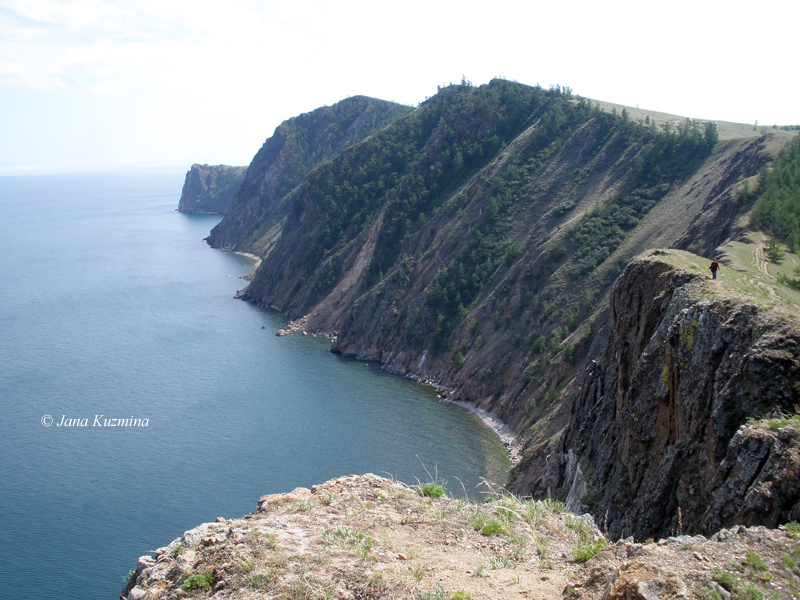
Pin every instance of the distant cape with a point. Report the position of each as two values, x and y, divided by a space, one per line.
210 189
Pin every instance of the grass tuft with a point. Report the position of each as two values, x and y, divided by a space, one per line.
439 593
587 550
431 490
198 581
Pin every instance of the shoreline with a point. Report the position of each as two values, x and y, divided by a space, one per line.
510 440
254 257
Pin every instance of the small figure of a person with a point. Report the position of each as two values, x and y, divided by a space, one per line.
714 268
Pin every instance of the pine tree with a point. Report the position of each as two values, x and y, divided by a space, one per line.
774 252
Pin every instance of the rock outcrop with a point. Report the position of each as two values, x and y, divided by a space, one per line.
663 434
365 537
210 189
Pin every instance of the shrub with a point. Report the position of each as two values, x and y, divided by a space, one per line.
778 423
431 490
750 592
199 581
755 561
727 580
487 526
304 505
793 527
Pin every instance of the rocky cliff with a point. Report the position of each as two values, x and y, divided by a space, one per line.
474 242
210 189
664 433
297 146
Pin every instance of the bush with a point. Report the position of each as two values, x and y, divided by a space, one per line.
487 527
792 282
755 561
199 581
793 527
431 490
569 352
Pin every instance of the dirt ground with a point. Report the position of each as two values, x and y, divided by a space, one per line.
365 536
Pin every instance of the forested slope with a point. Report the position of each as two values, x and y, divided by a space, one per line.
474 241
296 147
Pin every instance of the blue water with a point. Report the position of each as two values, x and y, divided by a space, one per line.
111 304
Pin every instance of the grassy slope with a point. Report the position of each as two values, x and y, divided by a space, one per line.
727 130
742 275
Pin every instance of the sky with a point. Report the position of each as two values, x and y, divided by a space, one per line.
98 84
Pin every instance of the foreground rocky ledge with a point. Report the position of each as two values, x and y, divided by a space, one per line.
365 536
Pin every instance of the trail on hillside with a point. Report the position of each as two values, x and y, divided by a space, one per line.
759 258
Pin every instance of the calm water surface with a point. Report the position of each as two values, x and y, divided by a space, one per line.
111 304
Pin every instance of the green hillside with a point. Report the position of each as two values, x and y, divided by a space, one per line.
473 240
474 243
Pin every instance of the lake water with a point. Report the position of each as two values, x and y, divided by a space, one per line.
112 306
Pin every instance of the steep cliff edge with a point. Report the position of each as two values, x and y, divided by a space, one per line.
663 434
210 189
297 146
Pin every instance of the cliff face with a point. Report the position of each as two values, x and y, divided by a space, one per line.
474 242
298 145
485 272
658 439
210 189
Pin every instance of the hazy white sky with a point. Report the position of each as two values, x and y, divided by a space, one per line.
105 83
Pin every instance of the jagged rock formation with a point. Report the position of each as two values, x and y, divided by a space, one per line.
361 537
210 189
298 145
658 434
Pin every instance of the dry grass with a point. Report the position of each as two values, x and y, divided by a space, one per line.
741 276
727 130
369 537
